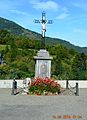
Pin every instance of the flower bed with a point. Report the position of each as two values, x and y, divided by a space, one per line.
44 86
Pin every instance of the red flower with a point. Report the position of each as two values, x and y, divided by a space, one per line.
43 84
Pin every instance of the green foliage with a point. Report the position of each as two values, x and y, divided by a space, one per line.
2 47
13 50
61 62
18 52
5 37
79 67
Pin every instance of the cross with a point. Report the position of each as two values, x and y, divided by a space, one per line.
43 22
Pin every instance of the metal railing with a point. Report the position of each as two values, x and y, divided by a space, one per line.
76 87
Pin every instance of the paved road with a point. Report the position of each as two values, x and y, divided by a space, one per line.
26 107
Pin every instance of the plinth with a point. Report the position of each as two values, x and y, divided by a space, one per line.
43 64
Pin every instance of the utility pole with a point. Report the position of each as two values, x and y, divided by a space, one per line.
43 22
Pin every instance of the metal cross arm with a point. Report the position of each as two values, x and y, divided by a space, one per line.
37 21
46 21
50 22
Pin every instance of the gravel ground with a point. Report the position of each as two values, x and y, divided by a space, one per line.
31 107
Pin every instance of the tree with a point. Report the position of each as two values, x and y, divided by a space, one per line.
57 68
13 50
78 67
5 36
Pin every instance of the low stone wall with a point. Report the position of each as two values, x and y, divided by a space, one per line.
72 83
8 83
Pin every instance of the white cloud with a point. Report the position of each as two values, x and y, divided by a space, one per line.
65 9
80 31
80 5
37 4
18 12
62 16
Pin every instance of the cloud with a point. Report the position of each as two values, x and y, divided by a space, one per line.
64 13
49 5
80 5
65 9
18 12
62 16
80 31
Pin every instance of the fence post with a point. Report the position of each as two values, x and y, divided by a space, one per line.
77 89
67 84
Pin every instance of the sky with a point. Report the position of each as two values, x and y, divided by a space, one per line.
69 17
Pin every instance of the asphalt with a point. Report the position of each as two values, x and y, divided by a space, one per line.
33 107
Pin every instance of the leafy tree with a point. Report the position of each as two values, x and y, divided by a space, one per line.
79 66
13 50
5 36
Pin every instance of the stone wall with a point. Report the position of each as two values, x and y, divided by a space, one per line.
8 83
72 83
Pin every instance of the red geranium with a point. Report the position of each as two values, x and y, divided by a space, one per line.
44 85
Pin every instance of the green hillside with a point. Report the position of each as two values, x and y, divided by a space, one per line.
17 51
18 30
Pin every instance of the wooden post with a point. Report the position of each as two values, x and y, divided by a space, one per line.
77 89
67 84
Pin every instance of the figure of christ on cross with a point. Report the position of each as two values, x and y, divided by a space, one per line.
43 23
43 29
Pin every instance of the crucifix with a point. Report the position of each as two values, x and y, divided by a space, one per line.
43 22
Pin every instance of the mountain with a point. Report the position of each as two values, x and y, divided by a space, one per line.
18 30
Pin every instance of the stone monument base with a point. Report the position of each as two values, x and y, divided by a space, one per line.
43 64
